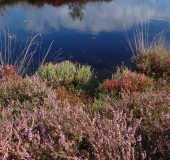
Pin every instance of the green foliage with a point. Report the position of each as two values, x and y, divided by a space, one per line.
100 104
83 74
66 74
58 74
153 61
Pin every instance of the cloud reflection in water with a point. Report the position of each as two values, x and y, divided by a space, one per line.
93 17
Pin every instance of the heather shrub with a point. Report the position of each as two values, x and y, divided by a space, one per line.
57 124
63 94
8 72
22 89
157 141
147 105
100 104
162 85
57 130
153 108
65 74
126 80
153 61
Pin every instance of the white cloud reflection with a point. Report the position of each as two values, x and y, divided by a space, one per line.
97 17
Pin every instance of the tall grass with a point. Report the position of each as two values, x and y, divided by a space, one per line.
149 55
22 58
141 38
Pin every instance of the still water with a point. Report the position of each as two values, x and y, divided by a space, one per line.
90 32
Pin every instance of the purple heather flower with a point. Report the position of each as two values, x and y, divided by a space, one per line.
139 139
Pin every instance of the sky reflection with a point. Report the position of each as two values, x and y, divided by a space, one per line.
96 17
92 32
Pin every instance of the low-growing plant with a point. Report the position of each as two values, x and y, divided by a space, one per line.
153 61
66 74
65 95
84 74
157 141
153 108
143 104
38 122
22 89
8 72
126 80
67 132
58 74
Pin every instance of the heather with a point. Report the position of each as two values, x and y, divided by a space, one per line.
153 61
63 112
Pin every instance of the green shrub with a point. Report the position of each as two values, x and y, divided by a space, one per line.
83 74
65 74
153 61
58 74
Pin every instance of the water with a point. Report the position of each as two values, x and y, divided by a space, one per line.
89 33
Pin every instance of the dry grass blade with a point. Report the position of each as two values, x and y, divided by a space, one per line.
21 60
141 36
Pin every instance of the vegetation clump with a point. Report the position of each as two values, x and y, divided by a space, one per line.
153 61
51 115
126 80
65 73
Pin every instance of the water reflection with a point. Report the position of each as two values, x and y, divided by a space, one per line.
87 17
89 32
76 11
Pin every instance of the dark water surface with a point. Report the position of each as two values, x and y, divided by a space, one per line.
90 32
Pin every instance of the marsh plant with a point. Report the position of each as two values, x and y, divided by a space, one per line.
126 80
19 56
153 108
66 73
40 121
57 130
150 56
153 61
127 118
22 89
141 37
